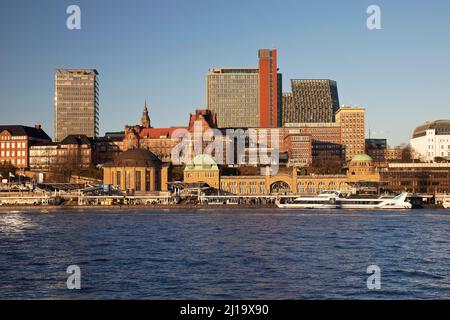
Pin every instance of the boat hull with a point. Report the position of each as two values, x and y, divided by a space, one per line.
312 206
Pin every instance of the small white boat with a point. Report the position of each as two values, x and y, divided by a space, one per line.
446 203
334 200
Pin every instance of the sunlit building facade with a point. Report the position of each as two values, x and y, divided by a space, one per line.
76 103
247 97
432 140
352 121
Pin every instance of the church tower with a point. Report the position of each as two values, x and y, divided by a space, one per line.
145 119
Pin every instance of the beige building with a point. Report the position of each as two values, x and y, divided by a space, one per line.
137 170
352 121
202 169
361 170
232 93
76 103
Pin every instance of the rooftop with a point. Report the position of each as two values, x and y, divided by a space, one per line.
441 127
31 132
79 71
136 158
202 162
362 157
78 139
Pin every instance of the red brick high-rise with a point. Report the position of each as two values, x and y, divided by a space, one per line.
268 88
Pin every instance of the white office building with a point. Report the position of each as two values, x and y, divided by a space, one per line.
431 140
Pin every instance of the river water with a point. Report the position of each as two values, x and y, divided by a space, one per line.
225 254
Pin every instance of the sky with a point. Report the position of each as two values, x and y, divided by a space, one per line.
161 51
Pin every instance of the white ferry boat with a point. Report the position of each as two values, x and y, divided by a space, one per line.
334 200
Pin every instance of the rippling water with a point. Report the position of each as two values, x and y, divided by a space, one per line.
225 254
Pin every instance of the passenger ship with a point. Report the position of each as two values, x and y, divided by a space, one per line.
334 200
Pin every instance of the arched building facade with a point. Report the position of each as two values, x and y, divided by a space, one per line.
137 170
361 170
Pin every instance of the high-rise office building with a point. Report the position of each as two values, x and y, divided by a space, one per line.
352 121
314 101
246 97
232 93
269 85
76 103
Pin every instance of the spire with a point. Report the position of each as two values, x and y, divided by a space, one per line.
145 119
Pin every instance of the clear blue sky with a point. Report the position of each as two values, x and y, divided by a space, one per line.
161 50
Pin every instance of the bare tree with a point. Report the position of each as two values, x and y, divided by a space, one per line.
5 169
325 163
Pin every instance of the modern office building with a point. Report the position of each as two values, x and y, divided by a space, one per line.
376 148
76 103
246 97
352 121
232 93
314 101
431 140
289 114
376 143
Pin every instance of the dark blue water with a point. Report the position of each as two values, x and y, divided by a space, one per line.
253 254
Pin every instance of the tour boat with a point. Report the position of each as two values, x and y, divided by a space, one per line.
334 200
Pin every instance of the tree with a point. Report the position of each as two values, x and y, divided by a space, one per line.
408 154
71 164
325 163
5 169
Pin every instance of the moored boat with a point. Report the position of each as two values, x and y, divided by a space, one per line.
335 200
446 203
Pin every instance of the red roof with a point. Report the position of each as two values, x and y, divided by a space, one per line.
156 133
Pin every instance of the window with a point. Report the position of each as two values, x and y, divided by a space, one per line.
138 181
147 180
118 178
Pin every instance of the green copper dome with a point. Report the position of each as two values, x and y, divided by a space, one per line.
361 158
202 162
